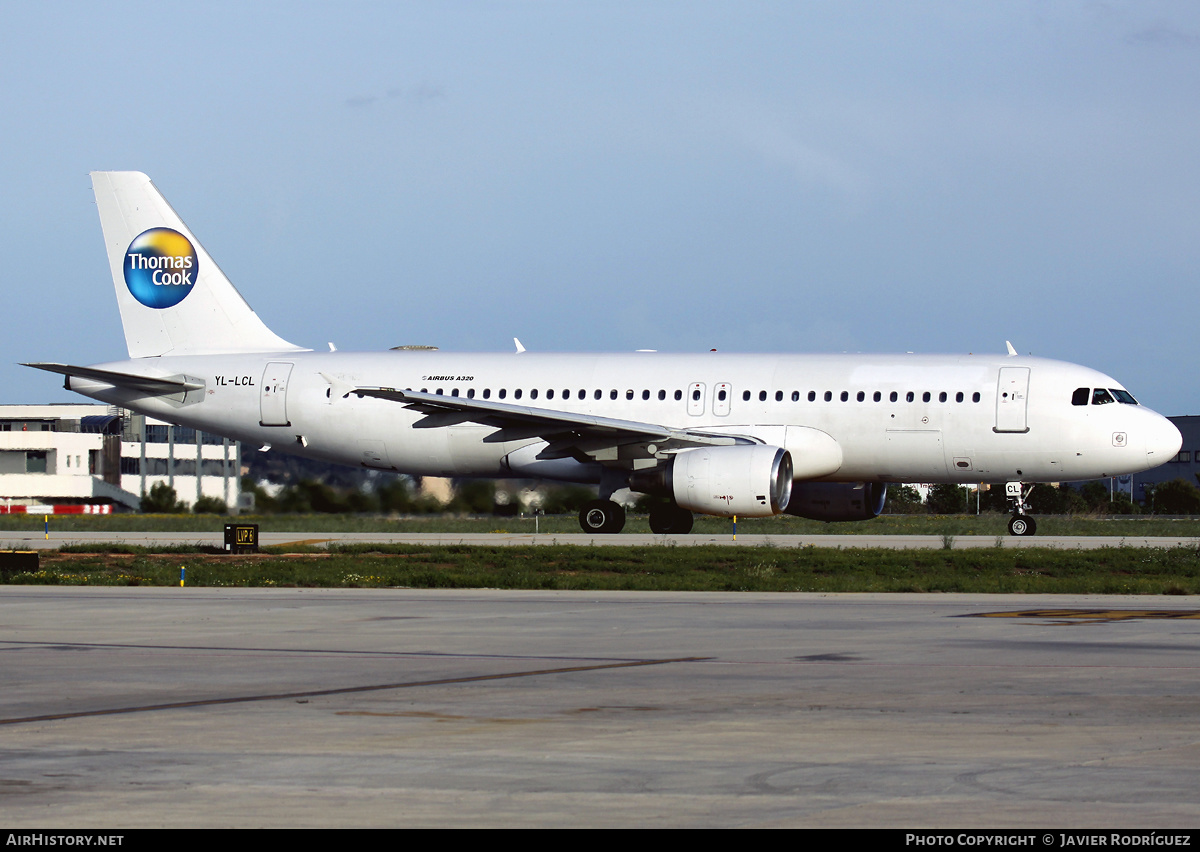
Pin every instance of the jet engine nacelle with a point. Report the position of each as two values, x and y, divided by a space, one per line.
753 480
837 501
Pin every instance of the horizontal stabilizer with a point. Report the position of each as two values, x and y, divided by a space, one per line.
146 384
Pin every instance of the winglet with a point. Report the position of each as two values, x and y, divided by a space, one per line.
520 348
1011 352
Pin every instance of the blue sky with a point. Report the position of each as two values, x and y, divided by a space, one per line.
749 176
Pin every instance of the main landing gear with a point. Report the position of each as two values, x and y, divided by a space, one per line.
669 519
1020 523
605 516
602 516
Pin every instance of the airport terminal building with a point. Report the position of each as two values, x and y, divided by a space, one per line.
99 458
1185 465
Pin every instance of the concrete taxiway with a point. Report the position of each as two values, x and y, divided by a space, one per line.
127 707
34 540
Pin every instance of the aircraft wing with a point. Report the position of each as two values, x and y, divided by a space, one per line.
145 384
568 433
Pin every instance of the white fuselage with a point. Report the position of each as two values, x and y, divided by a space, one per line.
895 418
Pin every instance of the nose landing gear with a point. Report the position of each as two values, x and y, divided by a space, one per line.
1020 523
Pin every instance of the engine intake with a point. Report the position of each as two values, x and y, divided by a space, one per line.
753 480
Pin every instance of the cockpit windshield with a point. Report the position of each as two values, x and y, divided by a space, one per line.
1102 396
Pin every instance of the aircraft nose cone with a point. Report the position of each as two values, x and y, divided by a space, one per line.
1163 441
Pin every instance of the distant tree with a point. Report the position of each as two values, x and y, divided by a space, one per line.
264 503
210 506
395 497
1177 497
310 496
1095 495
361 502
1045 499
993 499
474 497
1121 504
1073 502
162 500
567 499
947 500
903 500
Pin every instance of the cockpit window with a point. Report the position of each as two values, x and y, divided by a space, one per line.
1101 397
1080 397
1123 396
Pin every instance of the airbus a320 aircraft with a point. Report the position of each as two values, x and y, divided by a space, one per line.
818 436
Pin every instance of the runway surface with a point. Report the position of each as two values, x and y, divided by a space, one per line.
127 707
35 540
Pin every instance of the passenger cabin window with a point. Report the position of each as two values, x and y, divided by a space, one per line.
678 395
745 396
762 396
812 396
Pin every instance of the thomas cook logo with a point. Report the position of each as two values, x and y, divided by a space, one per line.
160 267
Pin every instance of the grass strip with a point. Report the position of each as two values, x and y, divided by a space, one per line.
1114 570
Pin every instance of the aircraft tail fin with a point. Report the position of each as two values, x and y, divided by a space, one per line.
174 299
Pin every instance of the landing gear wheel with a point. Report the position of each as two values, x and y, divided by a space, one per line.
670 520
1022 525
602 516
